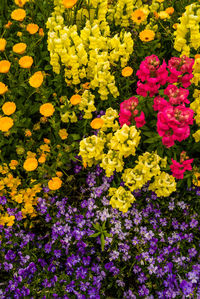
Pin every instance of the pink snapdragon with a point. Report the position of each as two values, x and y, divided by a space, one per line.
178 169
173 123
128 112
152 74
176 95
181 70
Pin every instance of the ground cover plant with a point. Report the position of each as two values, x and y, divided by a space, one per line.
99 149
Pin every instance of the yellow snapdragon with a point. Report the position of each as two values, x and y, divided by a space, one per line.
121 199
125 140
187 33
91 150
163 185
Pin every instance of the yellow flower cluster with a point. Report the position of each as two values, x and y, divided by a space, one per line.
67 111
89 52
125 141
121 145
109 120
91 150
187 33
87 104
9 187
196 70
112 161
123 11
147 167
195 106
164 184
121 199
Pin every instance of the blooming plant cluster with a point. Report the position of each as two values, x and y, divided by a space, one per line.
99 149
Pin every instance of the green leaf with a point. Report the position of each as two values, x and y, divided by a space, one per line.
102 242
96 226
95 235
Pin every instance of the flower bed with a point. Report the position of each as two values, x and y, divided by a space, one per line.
99 149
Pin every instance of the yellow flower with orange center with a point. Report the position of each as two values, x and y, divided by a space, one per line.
19 48
32 28
18 14
9 108
3 88
69 3
169 10
63 134
3 43
55 183
97 123
5 123
47 109
36 79
127 71
4 66
75 99
138 16
21 3
26 62
147 35
30 164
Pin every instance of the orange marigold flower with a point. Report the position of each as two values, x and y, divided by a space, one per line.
147 35
75 99
36 79
30 164
42 158
97 123
127 71
3 43
4 66
3 88
197 56
32 28
69 3
41 32
47 109
7 26
169 10
26 62
18 14
63 134
138 16
47 141
9 108
59 174
19 48
5 123
55 183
